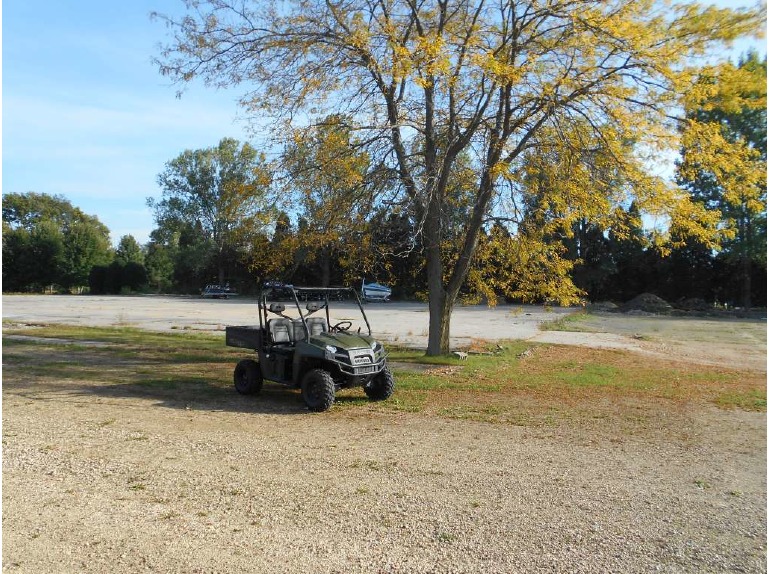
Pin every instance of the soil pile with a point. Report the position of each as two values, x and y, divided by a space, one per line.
647 303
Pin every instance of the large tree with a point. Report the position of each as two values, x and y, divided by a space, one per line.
217 191
433 80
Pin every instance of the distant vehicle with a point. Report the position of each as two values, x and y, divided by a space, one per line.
277 285
371 292
218 292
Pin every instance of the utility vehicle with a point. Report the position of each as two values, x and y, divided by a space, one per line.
312 347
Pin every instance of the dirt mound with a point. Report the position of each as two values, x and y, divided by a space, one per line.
647 303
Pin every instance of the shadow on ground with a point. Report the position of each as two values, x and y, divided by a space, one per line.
67 374
198 396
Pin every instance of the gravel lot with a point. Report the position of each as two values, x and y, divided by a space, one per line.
99 480
406 323
737 343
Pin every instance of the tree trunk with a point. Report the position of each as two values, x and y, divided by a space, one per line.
745 265
439 302
439 312
441 294
325 262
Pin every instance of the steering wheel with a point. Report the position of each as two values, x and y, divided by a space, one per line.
342 326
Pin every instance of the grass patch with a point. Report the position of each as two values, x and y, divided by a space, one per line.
415 356
510 383
128 343
574 322
572 374
748 400
548 384
131 337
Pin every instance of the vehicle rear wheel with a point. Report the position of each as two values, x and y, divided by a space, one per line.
381 386
318 390
247 377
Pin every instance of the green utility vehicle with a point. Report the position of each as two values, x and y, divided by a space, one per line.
313 347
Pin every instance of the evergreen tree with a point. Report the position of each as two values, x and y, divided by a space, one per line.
129 251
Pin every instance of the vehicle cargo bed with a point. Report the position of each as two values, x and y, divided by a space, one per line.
246 337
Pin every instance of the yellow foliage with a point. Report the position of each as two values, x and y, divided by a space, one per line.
495 66
711 149
524 267
327 188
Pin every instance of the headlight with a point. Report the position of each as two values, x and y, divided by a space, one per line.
331 349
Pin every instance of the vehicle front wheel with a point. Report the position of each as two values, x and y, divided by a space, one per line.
318 390
381 386
247 377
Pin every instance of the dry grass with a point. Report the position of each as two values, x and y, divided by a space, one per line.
547 385
513 383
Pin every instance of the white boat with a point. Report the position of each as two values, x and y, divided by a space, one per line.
374 291
217 292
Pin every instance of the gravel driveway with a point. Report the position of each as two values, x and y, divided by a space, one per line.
98 480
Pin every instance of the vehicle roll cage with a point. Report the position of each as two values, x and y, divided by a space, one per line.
316 298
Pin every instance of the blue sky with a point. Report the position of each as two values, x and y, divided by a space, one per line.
86 115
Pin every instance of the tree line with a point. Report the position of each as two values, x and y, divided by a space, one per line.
223 217
51 245
61 249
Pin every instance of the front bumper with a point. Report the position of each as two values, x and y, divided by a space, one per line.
359 362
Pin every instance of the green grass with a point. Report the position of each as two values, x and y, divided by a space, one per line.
415 356
508 387
544 386
574 322
591 375
751 400
130 342
124 336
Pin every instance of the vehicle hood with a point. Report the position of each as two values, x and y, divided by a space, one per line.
343 340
